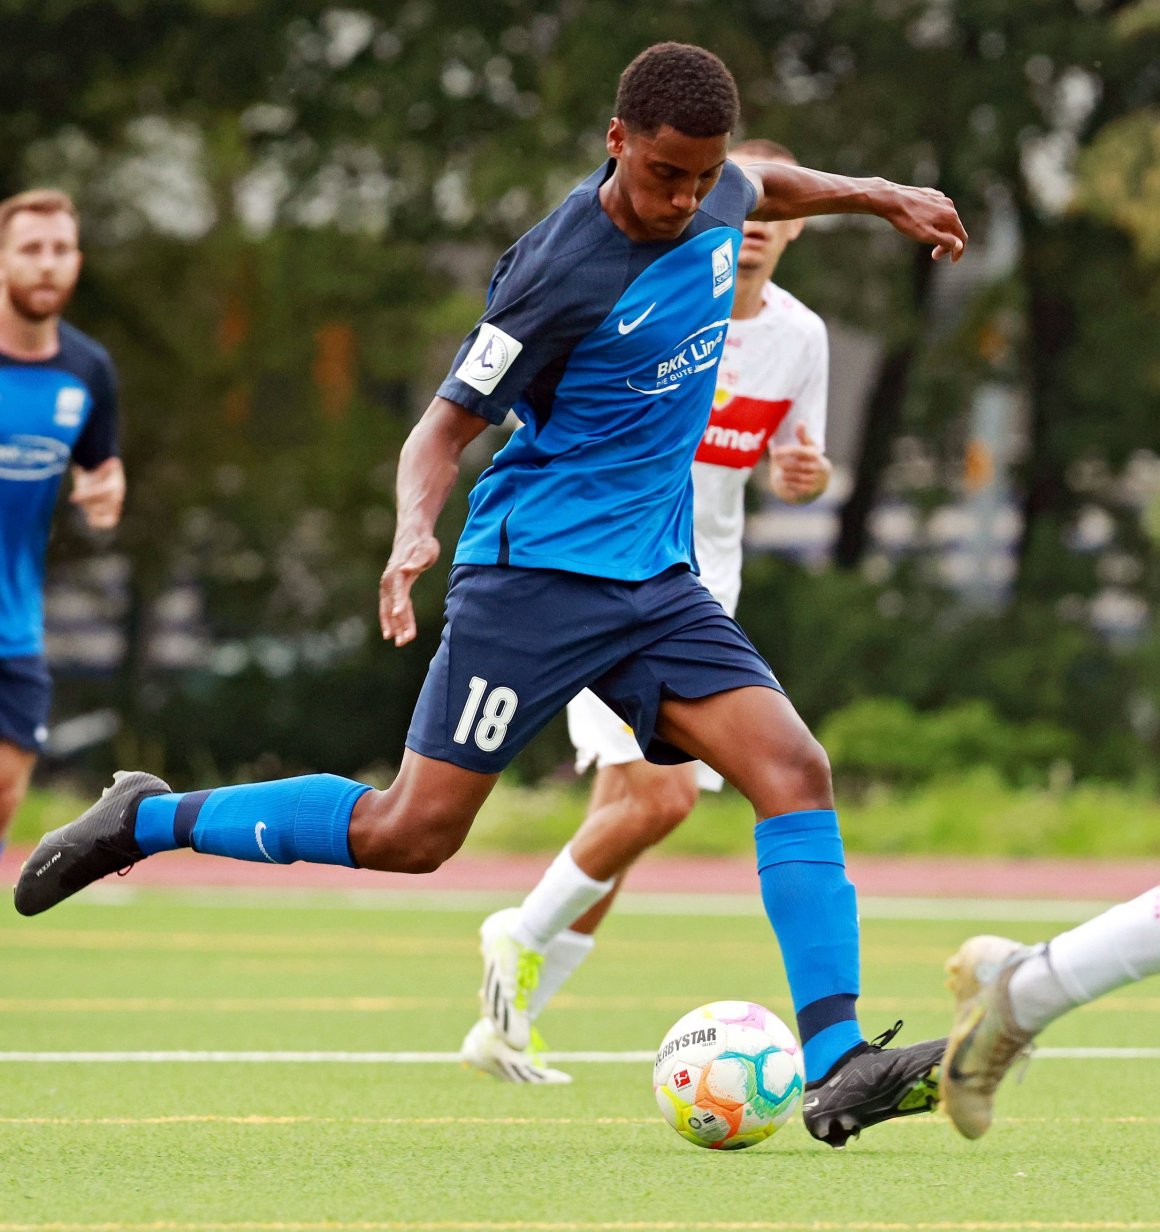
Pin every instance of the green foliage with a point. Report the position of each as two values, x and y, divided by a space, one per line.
835 639
886 741
1121 178
969 812
977 813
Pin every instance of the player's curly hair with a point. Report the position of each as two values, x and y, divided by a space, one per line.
681 85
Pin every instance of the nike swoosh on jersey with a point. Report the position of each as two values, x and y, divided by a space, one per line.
631 325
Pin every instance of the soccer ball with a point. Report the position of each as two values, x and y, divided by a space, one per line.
728 1075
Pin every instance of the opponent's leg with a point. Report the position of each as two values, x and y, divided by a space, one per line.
633 806
1006 993
412 827
529 951
755 738
610 786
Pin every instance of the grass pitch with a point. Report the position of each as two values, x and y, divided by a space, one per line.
276 1146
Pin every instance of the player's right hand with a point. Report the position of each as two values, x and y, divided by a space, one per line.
409 558
926 215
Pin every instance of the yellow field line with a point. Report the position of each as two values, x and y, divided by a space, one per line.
367 1005
263 1120
224 1005
211 1119
379 1005
667 1225
387 1004
332 944
338 944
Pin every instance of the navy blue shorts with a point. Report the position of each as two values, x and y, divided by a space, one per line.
519 644
25 697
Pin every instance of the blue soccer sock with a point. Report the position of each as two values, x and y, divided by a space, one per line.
814 913
303 818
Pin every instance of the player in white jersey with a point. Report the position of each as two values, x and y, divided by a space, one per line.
1006 993
770 404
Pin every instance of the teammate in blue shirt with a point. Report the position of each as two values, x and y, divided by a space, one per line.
58 407
603 329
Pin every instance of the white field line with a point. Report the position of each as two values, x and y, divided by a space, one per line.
636 1057
474 902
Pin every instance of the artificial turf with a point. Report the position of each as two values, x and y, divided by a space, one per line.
290 1147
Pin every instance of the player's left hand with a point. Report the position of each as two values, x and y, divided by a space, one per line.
799 472
926 215
99 493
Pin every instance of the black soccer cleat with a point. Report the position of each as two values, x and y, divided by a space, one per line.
99 842
872 1083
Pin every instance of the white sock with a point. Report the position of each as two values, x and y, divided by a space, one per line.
1116 948
561 896
565 952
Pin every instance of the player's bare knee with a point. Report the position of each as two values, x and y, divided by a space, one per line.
803 775
672 805
798 778
814 769
653 814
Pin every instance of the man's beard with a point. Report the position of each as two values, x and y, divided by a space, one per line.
27 305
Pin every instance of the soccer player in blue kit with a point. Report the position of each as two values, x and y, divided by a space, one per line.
57 406
603 329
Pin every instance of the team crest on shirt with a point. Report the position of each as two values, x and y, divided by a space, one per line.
722 268
491 355
70 405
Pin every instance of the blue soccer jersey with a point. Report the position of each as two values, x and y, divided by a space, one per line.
52 412
606 349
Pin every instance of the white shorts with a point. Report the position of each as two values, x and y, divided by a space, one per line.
602 738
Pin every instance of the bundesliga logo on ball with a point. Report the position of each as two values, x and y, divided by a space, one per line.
728 1075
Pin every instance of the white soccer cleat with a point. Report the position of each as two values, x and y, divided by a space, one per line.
985 1040
511 972
485 1051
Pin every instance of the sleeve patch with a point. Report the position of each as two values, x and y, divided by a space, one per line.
491 355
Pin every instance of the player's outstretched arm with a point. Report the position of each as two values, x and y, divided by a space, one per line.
428 467
923 214
99 493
